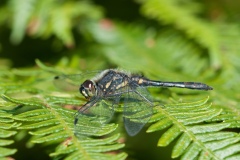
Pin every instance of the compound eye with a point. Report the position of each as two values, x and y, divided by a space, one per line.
87 89
88 84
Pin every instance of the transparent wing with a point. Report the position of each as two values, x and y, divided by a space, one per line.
138 108
94 115
72 82
91 116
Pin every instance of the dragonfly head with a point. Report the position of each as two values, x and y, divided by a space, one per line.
88 89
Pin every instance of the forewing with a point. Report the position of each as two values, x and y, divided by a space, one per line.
138 108
94 115
103 111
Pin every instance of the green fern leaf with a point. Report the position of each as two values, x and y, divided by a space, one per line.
45 18
51 137
162 124
46 68
23 11
223 143
6 142
192 151
169 136
40 124
4 152
6 124
197 136
181 145
227 151
234 157
215 136
6 133
169 12
53 123
208 128
47 131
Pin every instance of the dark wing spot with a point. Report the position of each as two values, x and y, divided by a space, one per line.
56 77
75 121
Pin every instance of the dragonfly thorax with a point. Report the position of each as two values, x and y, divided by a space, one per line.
88 89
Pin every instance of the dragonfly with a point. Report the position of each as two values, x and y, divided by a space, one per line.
111 87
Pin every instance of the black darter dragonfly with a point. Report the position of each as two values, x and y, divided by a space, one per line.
111 87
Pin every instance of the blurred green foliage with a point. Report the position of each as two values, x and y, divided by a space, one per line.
171 40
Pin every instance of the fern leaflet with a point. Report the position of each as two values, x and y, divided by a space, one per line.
50 122
197 137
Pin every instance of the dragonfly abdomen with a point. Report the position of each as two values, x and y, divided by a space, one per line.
189 85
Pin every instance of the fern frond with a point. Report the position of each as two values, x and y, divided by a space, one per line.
22 12
170 12
6 126
45 18
188 123
53 123
59 18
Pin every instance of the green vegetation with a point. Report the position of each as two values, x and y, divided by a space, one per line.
171 40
